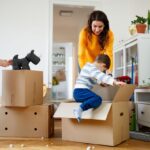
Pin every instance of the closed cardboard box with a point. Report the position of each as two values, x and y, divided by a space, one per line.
22 88
33 121
106 125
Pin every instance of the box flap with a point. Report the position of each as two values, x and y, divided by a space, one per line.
124 93
107 93
65 110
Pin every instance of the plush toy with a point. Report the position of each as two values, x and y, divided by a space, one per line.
23 64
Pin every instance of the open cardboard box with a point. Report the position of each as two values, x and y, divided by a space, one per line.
107 93
106 125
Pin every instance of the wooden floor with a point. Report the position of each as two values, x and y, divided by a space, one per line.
56 143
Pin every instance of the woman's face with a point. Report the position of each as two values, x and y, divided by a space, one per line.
97 27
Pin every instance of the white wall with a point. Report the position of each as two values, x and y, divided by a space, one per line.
24 25
121 13
27 24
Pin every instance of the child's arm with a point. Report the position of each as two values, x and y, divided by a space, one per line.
119 83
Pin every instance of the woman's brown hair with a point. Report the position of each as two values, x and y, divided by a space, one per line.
99 16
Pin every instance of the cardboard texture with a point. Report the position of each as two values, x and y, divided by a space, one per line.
22 88
106 125
107 93
110 93
97 114
34 121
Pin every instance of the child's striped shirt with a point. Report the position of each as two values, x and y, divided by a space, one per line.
91 75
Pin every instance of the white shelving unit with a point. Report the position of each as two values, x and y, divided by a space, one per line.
62 59
58 58
142 103
137 47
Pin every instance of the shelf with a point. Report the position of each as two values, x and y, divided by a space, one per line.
138 47
143 102
131 65
58 58
131 44
143 90
119 68
58 65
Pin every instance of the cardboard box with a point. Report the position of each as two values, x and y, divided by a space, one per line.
106 125
34 121
22 88
107 93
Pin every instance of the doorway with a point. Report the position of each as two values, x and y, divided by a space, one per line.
68 20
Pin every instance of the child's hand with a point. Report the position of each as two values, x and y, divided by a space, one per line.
119 83
104 84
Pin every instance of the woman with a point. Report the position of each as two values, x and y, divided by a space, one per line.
95 39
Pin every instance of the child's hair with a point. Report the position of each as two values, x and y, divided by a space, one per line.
103 58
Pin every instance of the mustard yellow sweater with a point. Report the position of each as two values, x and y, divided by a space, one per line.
89 49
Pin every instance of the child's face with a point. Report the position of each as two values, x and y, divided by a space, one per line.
102 67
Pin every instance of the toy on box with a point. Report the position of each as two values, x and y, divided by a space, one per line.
23 64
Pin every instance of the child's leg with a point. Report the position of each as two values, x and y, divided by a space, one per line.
89 100
78 95
78 113
92 101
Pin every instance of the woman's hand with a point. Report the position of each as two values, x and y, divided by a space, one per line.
5 63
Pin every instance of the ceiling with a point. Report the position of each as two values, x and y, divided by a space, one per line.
79 14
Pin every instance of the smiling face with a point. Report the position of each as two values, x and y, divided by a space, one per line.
97 27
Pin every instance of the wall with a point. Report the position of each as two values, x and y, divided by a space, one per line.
27 24
24 25
121 13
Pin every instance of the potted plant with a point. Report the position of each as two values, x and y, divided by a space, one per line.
140 23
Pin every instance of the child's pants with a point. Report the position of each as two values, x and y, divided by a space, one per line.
88 98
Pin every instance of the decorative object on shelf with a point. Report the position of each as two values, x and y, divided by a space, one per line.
60 75
148 21
132 70
55 81
146 84
140 23
126 79
132 29
23 63
133 121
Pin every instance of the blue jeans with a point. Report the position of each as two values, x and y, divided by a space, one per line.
88 98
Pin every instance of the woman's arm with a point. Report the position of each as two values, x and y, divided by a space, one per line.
82 48
109 49
5 63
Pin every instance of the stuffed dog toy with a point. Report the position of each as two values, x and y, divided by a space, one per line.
23 64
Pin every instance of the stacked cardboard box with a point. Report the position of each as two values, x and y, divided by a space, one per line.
23 113
106 125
